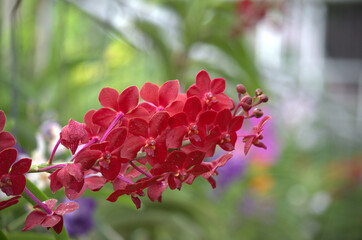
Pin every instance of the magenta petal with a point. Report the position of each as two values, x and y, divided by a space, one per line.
9 202
104 117
194 91
179 119
199 169
7 158
113 169
168 92
262 122
203 81
218 85
171 182
149 93
207 117
223 101
34 219
158 123
175 137
21 167
193 158
59 226
248 143
139 112
73 134
159 154
87 158
88 118
50 203
108 98
136 201
131 146
175 107
95 183
65 208
177 158
64 177
6 140
76 190
236 123
154 191
192 108
2 120
116 137
138 127
18 184
115 195
212 182
128 99
162 168
55 185
223 119
51 221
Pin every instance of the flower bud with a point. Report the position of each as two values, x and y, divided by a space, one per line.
246 103
258 113
258 92
240 88
263 98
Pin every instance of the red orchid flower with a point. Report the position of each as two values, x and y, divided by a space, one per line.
53 220
126 176
179 165
154 192
223 133
228 126
161 98
134 190
150 137
110 161
6 139
9 202
12 179
255 135
94 131
71 177
210 92
192 122
122 105
213 166
73 134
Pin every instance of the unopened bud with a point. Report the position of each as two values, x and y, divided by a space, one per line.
240 88
246 103
263 98
258 92
258 113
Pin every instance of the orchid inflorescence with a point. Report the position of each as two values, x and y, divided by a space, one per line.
159 143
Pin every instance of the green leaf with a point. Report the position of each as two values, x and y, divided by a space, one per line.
29 235
2 236
42 197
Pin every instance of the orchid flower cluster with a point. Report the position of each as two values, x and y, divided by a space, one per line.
162 142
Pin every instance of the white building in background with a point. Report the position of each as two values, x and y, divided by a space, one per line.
314 64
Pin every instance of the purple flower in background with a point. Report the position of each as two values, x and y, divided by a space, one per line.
269 156
81 221
234 168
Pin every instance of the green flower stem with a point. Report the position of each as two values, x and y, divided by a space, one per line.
45 167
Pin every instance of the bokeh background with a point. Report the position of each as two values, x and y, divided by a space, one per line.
56 55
